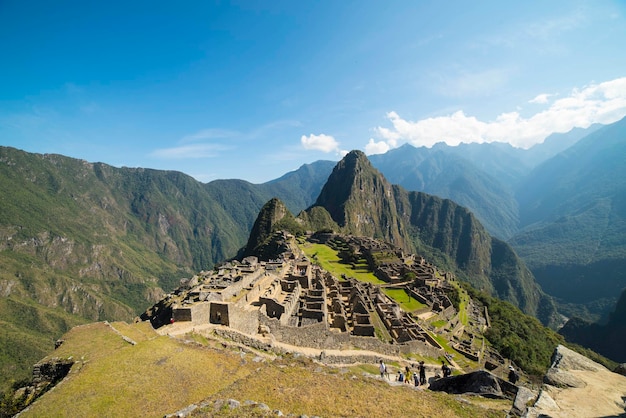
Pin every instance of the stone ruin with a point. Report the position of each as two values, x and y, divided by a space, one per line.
297 302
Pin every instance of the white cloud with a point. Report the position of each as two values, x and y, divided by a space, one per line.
597 103
374 147
212 133
322 142
188 151
540 98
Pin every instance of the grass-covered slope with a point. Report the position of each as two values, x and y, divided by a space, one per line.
96 242
161 375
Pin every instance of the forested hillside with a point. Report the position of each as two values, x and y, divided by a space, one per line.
573 211
86 241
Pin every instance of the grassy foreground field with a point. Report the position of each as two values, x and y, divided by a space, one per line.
160 375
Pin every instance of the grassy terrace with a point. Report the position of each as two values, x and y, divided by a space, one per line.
328 259
406 302
465 298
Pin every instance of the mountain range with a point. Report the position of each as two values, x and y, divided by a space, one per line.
84 241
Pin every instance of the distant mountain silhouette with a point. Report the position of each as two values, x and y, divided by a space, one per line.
573 215
608 340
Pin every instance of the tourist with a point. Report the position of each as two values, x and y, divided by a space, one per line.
513 376
383 369
408 375
445 369
400 376
416 379
422 370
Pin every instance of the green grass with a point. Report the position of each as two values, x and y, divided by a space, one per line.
465 299
329 260
439 323
461 360
402 298
162 375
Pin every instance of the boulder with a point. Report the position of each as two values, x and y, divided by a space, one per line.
575 386
621 369
565 359
523 398
563 379
480 383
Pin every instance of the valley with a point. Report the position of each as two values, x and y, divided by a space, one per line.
85 242
280 332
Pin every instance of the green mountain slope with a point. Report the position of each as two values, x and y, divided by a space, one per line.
573 209
441 171
96 242
608 339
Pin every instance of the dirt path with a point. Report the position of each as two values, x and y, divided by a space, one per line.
181 328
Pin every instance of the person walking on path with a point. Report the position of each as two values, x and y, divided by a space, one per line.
422 370
383 369
445 370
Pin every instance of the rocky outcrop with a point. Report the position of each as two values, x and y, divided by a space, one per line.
46 374
480 383
273 216
576 386
607 339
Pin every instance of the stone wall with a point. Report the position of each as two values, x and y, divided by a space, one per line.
315 336
253 291
321 337
51 370
245 282
200 313
244 320
181 313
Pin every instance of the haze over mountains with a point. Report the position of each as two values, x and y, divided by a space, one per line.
86 241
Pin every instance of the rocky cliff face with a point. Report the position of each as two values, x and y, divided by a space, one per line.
273 216
361 201
575 386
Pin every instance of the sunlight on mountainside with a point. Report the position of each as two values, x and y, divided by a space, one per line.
160 375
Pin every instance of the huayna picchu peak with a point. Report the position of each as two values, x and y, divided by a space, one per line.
361 201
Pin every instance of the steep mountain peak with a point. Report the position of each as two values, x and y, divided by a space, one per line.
354 175
273 216
360 199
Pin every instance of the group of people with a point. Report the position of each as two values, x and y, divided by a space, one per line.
417 377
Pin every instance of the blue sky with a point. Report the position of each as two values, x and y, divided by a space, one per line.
252 90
